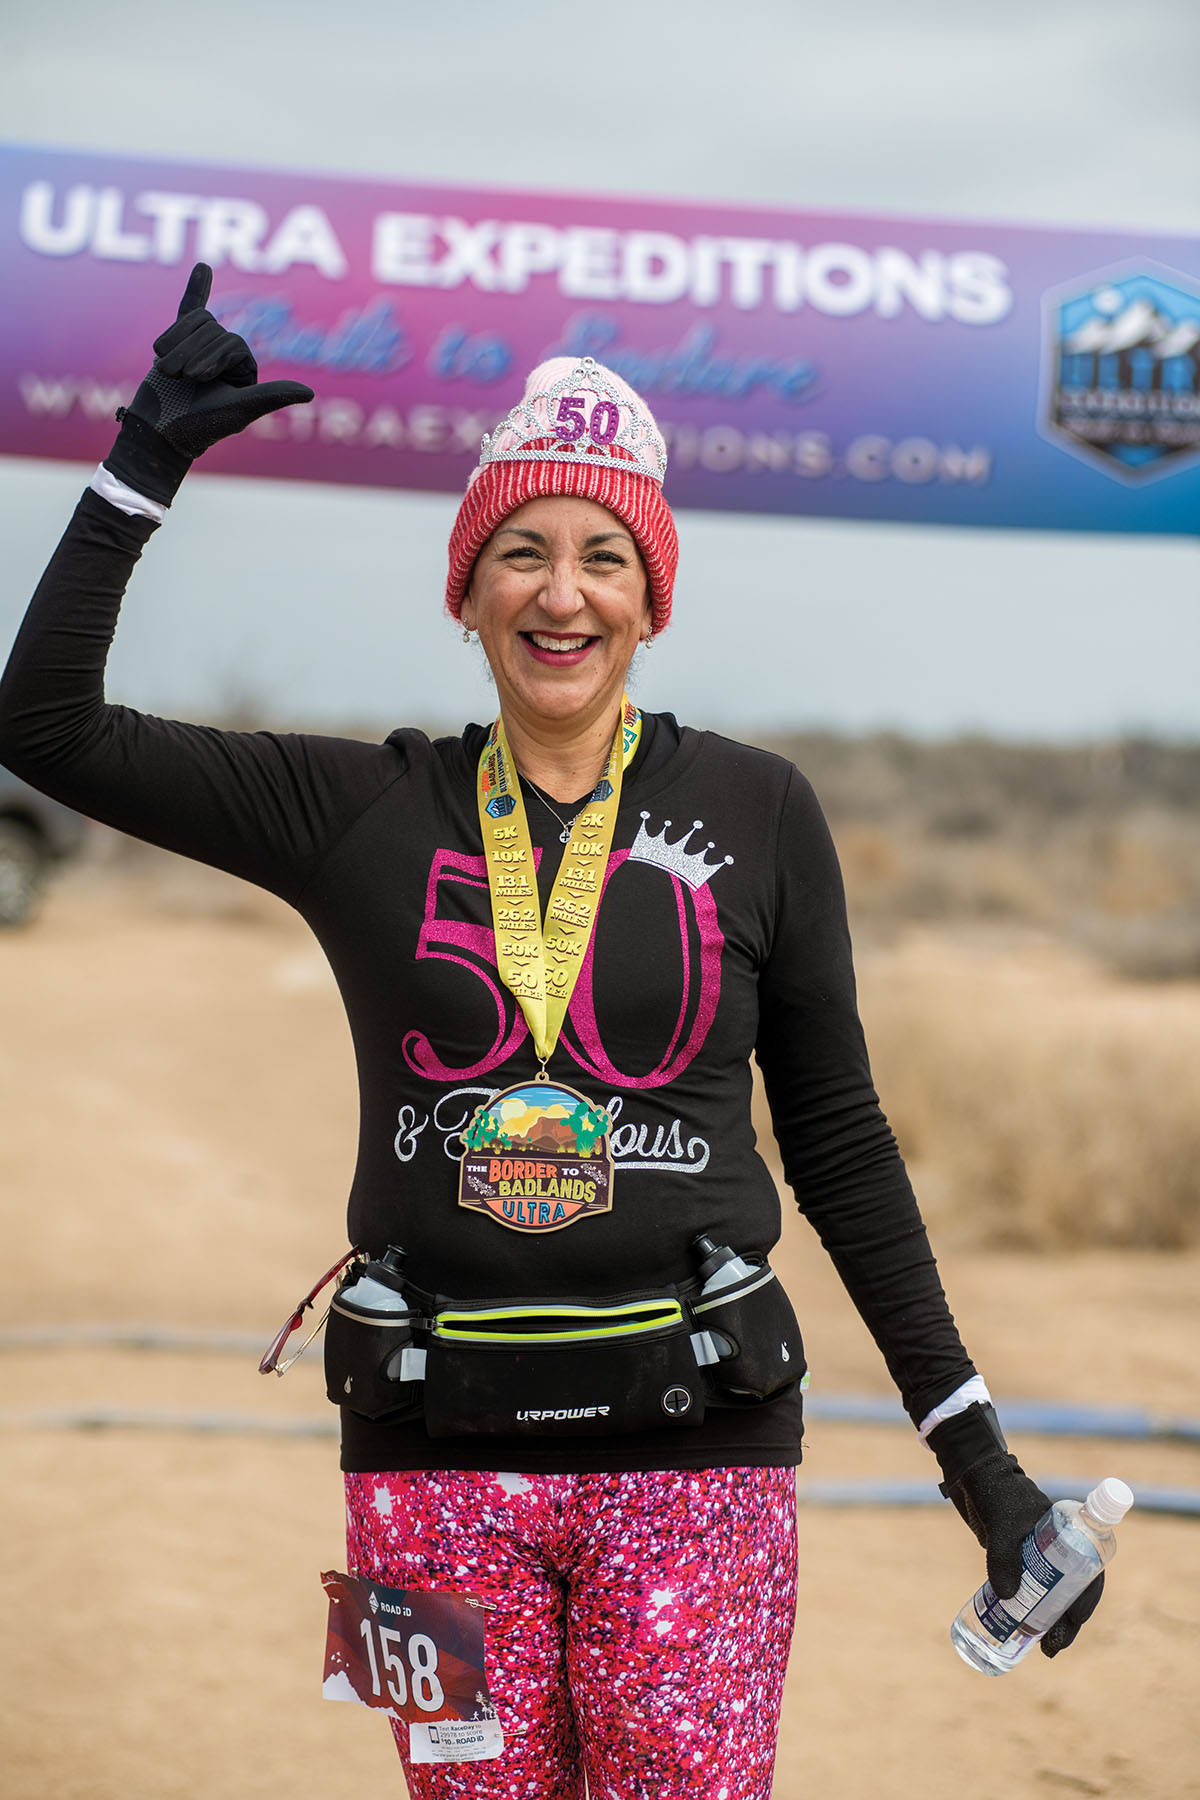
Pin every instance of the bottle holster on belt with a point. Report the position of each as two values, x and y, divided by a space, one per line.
375 1361
629 1362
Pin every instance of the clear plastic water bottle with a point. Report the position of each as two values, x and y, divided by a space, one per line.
1063 1554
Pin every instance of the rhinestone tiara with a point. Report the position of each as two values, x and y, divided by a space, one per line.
609 428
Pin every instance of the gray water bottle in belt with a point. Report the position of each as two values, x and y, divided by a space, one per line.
720 1267
746 1330
371 1362
380 1287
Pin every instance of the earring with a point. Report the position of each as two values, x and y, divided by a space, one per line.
647 640
466 636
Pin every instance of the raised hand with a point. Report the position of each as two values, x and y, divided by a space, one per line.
203 386
196 347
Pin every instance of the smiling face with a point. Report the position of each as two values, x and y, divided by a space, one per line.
560 600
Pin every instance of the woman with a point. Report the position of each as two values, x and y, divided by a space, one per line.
559 941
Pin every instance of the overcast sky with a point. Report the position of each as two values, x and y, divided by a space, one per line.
315 604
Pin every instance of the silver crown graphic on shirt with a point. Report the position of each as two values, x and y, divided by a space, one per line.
690 866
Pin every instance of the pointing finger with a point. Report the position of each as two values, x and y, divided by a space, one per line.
195 295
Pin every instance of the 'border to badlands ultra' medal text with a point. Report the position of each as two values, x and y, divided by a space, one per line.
537 1158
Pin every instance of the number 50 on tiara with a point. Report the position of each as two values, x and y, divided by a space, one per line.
601 427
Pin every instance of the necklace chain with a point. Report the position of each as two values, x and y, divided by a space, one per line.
565 834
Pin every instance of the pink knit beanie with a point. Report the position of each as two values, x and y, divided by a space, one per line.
578 430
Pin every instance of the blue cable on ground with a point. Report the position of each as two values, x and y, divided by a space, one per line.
140 1418
1043 1418
1046 1418
1182 1502
134 1337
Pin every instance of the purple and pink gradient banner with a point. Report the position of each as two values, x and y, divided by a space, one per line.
860 367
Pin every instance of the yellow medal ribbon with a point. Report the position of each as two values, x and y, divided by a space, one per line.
539 963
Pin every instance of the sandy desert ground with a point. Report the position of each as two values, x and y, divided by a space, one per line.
176 1135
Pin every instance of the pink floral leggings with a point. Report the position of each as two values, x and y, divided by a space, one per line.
640 1624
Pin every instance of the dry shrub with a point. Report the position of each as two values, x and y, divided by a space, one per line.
1098 844
901 876
1039 1105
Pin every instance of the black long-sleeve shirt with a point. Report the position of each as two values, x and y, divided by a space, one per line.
698 961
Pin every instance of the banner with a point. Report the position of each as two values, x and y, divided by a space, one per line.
858 367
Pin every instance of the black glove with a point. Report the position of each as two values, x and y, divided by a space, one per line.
204 386
1001 1505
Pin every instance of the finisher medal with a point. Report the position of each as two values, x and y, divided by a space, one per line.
537 1156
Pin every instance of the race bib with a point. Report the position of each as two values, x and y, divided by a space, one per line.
418 1657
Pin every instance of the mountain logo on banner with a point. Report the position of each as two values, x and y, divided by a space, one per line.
1121 371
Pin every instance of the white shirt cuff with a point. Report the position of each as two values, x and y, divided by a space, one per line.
971 1391
126 499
